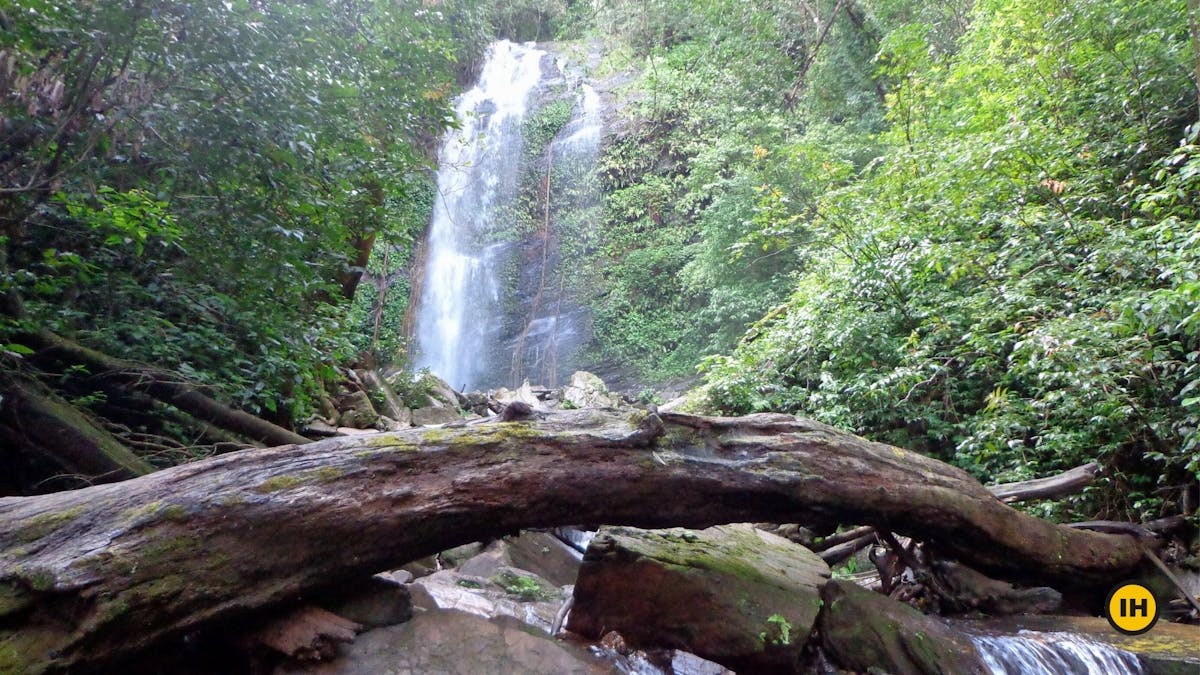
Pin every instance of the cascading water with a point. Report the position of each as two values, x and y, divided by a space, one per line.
498 303
477 169
554 324
1036 653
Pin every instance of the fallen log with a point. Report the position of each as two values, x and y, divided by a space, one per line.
93 574
842 545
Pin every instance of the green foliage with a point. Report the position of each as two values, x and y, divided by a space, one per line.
540 127
1009 283
188 184
707 194
779 631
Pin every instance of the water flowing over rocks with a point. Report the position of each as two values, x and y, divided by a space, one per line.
499 300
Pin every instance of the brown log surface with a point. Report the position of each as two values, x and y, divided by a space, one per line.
103 571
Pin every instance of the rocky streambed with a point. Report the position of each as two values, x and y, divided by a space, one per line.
734 598
726 599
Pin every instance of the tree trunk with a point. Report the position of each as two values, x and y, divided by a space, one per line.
163 386
35 417
89 575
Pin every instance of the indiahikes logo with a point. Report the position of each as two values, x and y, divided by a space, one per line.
1131 609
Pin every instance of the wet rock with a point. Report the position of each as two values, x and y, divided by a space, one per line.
1166 649
452 642
423 417
504 592
974 591
587 391
732 594
544 555
862 629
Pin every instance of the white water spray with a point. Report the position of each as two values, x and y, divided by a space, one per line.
1035 653
478 164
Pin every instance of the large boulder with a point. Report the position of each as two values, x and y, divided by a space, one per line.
496 591
732 594
587 391
356 411
424 417
537 552
442 395
862 629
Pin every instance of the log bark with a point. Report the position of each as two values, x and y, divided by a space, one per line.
93 574
163 386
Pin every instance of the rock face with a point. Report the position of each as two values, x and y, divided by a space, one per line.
732 594
536 552
862 629
587 391
504 592
452 642
422 417
356 411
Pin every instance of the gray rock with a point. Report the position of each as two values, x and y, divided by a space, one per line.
523 394
448 642
504 592
732 594
443 395
355 410
587 391
423 417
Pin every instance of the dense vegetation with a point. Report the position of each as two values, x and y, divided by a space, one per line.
199 186
966 228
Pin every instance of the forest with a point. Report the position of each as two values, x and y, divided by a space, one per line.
967 231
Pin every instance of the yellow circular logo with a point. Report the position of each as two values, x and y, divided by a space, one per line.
1131 609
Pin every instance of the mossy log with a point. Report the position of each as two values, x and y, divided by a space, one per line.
93 574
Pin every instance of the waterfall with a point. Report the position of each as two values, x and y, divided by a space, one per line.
1036 653
457 319
499 301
